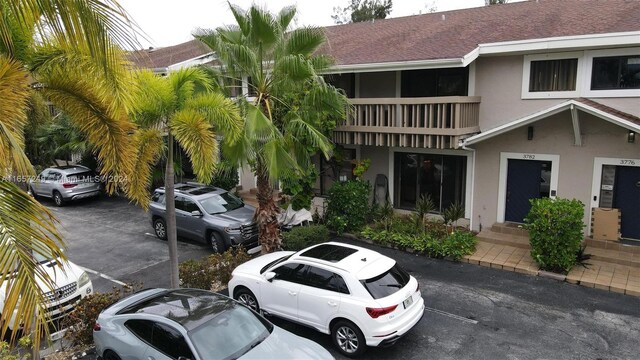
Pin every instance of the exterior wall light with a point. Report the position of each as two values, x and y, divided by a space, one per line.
530 133
631 138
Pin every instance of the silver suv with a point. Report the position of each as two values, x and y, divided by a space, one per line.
66 183
209 214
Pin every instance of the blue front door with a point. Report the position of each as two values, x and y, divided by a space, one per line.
526 179
627 199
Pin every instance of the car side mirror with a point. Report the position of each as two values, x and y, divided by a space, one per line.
269 276
196 213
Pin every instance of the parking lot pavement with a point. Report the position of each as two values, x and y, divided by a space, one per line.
113 240
472 312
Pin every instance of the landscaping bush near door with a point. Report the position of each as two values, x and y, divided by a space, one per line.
555 232
212 272
348 205
301 237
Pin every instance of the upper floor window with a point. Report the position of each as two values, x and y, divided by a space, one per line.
616 72
553 75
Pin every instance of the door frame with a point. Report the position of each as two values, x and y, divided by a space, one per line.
596 183
502 179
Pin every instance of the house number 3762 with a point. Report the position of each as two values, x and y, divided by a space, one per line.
627 162
529 157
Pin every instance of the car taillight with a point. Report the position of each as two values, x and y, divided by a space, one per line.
68 185
377 312
96 327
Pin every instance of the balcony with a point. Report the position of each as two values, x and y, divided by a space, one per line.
430 122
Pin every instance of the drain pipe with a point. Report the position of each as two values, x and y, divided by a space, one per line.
463 146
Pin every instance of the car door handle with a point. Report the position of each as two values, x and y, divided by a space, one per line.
293 293
331 303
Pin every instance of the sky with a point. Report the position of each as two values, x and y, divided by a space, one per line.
171 22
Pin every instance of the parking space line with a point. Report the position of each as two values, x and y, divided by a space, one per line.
454 316
103 276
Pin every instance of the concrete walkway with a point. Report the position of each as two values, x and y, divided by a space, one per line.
613 266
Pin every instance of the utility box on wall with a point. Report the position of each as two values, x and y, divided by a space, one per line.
605 224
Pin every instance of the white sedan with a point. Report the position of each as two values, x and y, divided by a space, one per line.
361 297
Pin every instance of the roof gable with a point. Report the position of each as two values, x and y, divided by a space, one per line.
170 55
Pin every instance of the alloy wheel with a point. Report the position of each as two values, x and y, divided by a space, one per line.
347 339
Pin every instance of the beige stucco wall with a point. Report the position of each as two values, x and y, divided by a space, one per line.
553 135
499 83
379 157
377 85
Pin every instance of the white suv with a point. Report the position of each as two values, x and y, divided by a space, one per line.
360 297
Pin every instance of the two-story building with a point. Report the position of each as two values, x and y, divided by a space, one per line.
492 106
488 107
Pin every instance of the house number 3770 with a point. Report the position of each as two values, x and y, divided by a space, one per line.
627 162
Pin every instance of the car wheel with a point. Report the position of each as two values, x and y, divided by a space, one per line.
348 338
33 192
57 199
216 243
160 228
110 355
246 297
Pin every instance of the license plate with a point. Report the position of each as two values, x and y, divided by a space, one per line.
407 302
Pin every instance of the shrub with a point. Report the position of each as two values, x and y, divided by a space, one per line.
458 244
301 237
348 205
212 272
301 188
555 232
80 321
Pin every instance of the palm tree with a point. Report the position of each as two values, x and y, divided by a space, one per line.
67 52
172 106
290 105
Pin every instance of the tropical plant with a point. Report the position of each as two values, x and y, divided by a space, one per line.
555 232
170 106
424 205
348 205
67 51
290 100
301 237
452 214
212 272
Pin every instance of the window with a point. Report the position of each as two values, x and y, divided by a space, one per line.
291 272
435 82
141 328
441 177
169 341
185 204
324 279
387 283
615 72
553 75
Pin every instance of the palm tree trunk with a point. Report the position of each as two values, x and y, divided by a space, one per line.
267 213
172 234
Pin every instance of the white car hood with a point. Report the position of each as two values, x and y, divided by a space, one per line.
283 345
61 273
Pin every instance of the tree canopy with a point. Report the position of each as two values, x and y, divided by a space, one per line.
362 10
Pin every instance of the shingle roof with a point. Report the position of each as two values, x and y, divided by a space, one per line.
170 55
609 110
453 34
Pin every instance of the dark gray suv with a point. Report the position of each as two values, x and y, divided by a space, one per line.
209 214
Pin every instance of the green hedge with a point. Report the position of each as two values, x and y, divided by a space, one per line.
212 272
555 232
453 246
301 237
348 206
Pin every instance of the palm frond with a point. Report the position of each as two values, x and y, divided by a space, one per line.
221 112
184 82
304 41
195 135
26 228
285 16
14 92
265 30
257 126
155 99
241 18
301 129
150 146
277 158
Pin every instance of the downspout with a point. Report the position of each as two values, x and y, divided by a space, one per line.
463 146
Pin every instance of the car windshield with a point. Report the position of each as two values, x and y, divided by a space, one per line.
387 283
221 203
230 334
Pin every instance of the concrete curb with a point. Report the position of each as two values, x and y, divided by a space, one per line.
552 275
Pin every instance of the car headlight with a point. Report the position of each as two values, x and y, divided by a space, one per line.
232 230
84 279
